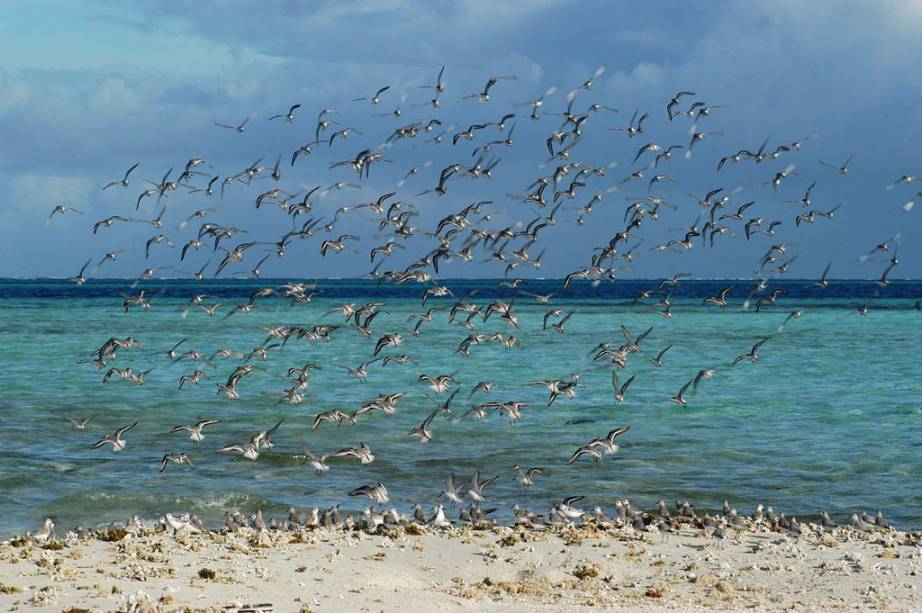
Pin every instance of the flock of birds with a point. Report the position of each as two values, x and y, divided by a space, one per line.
561 514
511 235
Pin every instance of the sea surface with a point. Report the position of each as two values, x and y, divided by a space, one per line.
830 417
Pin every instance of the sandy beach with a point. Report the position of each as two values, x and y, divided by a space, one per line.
414 568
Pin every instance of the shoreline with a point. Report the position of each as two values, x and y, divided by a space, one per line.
692 564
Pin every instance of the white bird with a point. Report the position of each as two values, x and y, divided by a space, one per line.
362 453
454 493
318 463
422 432
80 424
477 486
289 116
527 477
62 209
567 509
377 493
178 458
195 430
116 440
45 533
123 181
239 128
374 99
438 519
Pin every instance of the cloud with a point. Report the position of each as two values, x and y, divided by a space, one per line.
30 197
643 77
783 70
15 94
113 94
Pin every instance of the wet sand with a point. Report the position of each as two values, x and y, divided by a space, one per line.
413 568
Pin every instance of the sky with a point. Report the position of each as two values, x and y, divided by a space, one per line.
90 87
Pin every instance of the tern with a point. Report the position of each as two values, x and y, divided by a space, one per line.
721 298
527 477
658 360
454 493
62 209
239 128
438 384
587 450
335 416
373 99
567 510
675 101
422 432
679 398
249 451
484 95
620 391
80 424
45 533
195 430
116 440
362 453
477 486
607 444
318 463
843 169
178 458
289 116
123 181
377 493
752 356
360 372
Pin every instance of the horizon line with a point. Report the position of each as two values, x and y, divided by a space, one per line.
449 279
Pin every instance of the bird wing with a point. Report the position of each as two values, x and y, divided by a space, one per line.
124 429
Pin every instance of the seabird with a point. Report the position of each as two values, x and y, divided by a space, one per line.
249 451
454 493
289 116
80 424
178 458
374 99
567 510
422 432
658 360
752 356
195 430
239 128
362 453
123 181
484 95
588 450
620 390
438 384
116 440
377 493
318 463
477 486
62 209
679 398
527 477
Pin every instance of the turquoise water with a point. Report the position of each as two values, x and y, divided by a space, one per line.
830 418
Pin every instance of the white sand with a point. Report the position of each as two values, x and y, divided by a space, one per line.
575 569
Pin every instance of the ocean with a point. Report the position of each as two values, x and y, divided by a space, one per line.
829 418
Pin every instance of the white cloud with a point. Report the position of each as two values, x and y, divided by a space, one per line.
14 93
112 94
30 197
644 76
